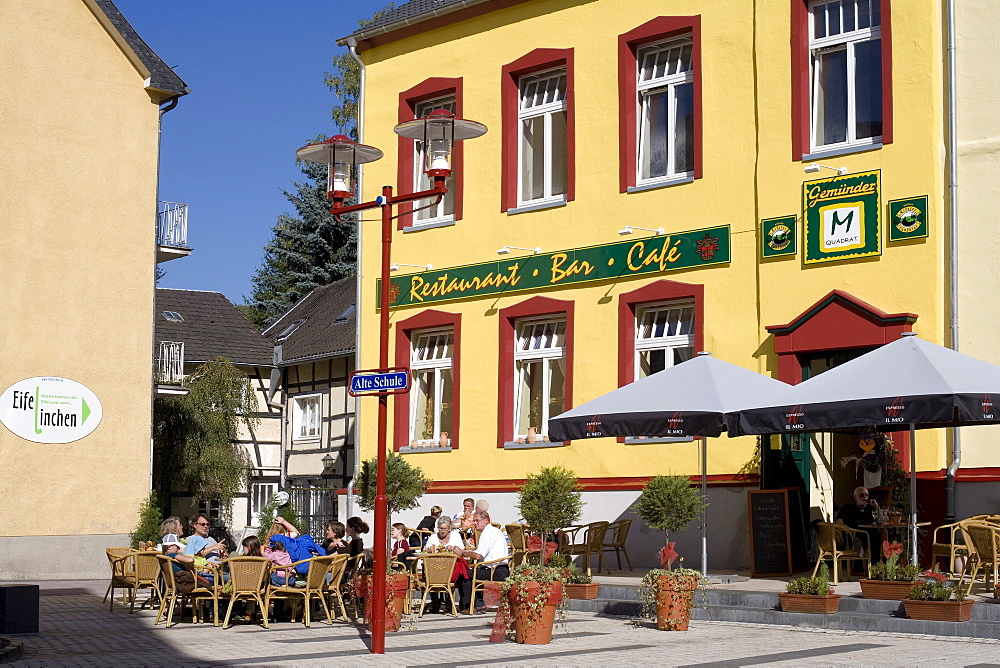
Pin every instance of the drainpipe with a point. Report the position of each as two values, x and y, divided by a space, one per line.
956 455
159 135
277 378
352 46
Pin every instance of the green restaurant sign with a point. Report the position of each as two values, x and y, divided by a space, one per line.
531 273
841 216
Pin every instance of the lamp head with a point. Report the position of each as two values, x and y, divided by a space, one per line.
810 169
342 156
438 131
504 251
625 230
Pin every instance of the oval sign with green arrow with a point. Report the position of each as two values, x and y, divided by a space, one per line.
46 409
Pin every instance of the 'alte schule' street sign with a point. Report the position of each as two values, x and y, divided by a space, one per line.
696 248
841 217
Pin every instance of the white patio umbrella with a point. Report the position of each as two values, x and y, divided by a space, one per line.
909 383
689 399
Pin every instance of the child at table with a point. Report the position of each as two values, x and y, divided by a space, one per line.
401 550
277 553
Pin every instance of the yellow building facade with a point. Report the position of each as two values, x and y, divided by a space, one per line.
643 173
78 209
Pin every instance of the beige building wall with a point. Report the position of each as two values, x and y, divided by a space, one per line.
77 207
978 99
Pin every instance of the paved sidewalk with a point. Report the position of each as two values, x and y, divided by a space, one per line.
77 630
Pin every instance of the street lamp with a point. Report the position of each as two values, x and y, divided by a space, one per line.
438 131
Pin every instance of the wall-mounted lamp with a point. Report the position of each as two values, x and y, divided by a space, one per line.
422 267
629 228
815 167
507 249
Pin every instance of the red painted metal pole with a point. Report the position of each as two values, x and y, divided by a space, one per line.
380 545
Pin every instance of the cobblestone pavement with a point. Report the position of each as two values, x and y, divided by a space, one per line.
77 630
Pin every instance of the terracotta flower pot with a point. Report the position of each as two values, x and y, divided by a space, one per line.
396 587
582 592
674 597
817 605
532 628
939 611
889 590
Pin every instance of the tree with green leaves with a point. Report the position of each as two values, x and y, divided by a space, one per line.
549 500
195 452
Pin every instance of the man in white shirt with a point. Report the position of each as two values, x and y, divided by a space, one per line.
492 546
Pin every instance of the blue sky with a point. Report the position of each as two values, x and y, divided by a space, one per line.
256 69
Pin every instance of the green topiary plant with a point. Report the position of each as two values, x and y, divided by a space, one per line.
148 528
669 503
404 484
549 500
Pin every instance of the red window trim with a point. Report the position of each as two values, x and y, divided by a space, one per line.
537 60
630 302
801 118
534 307
661 27
405 329
408 100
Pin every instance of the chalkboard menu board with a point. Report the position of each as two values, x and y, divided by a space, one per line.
770 542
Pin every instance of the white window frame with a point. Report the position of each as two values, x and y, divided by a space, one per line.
260 495
667 83
545 110
667 343
435 365
299 416
843 41
435 215
546 351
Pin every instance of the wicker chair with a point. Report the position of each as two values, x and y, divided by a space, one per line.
983 542
592 543
315 586
827 537
248 577
170 596
953 547
437 577
518 544
335 583
122 561
147 576
479 585
615 540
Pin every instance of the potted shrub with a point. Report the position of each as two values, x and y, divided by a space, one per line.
530 598
548 501
578 585
889 579
667 596
813 595
669 503
937 601
404 485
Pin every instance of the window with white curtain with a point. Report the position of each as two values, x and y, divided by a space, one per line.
443 211
664 337
845 45
306 416
431 396
665 85
542 147
539 375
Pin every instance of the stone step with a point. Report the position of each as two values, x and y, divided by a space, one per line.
855 614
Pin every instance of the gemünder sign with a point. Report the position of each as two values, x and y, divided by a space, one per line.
841 217
696 248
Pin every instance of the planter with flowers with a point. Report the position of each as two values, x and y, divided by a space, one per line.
812 595
936 601
669 503
890 580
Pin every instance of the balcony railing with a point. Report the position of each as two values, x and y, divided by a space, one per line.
171 224
170 365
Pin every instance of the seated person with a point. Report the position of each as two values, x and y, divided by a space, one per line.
172 547
334 538
429 523
863 511
446 538
275 551
400 549
492 546
172 525
201 546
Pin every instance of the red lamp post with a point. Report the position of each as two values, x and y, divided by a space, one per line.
438 131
